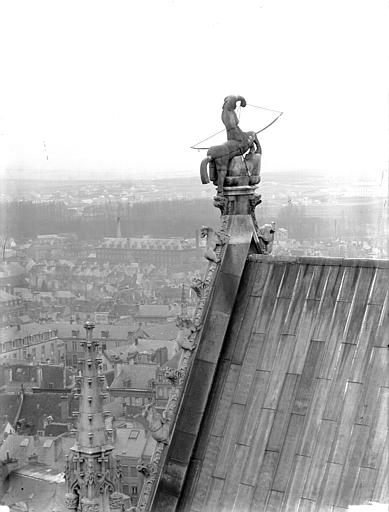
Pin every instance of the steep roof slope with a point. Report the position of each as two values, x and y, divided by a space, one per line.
297 416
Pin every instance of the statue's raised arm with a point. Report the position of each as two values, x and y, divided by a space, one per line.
230 119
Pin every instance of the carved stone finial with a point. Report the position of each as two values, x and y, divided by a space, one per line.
116 501
71 501
88 505
238 143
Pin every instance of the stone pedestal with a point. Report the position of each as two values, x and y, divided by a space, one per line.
238 200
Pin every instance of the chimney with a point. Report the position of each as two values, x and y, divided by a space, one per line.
197 236
64 408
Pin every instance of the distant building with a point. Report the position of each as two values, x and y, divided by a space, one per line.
154 313
31 342
11 308
156 251
111 337
11 274
132 445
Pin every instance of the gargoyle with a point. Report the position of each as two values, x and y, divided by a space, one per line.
213 240
158 424
198 286
266 237
174 375
184 340
145 469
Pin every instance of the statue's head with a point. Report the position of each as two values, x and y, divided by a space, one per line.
204 231
230 102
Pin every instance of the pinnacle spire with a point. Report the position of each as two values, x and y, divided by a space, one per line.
91 435
92 474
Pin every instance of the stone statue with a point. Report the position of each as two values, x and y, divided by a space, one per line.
158 424
238 143
266 237
214 239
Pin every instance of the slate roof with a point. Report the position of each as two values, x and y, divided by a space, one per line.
155 310
65 330
285 403
9 404
167 331
36 406
297 414
31 489
140 375
12 333
133 442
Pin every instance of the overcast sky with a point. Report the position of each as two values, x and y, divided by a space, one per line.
117 88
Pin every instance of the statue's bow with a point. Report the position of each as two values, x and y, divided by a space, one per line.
267 126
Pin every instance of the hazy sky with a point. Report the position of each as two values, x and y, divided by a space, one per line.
129 86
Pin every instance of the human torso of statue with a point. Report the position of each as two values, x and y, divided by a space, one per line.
230 119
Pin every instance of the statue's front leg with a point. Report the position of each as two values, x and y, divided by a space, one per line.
221 175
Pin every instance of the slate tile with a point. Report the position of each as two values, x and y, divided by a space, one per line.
313 417
319 282
253 409
380 288
247 372
225 402
307 382
329 488
275 500
233 477
347 419
288 452
229 440
378 434
348 481
257 446
262 278
364 487
349 284
264 480
304 336
320 456
299 297
296 483
245 331
274 334
381 488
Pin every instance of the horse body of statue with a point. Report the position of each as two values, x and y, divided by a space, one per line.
238 143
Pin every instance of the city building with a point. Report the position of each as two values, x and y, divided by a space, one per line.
162 252
11 308
132 446
31 342
111 337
